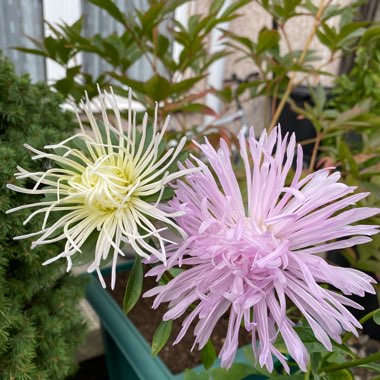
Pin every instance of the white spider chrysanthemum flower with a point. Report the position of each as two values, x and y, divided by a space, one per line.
103 188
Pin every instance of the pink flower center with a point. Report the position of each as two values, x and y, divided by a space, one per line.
248 251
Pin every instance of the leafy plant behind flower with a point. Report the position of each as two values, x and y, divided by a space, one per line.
324 365
347 133
363 81
173 82
279 69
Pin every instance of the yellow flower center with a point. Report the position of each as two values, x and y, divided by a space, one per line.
104 185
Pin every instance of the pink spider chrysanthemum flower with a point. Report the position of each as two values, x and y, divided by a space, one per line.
247 256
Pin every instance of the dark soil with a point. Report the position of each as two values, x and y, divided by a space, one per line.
92 369
177 357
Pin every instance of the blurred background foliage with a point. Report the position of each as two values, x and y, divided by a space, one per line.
173 82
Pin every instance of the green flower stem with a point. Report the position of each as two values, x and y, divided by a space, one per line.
368 316
307 374
361 321
353 363
348 335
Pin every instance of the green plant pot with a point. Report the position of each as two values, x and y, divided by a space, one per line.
128 354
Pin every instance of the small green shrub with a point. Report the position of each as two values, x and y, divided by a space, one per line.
40 324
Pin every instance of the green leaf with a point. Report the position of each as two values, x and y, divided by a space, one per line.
319 97
351 30
87 253
76 27
234 7
245 41
111 8
268 39
372 366
192 23
51 46
290 7
208 355
215 6
31 51
161 336
185 85
343 350
112 53
175 271
308 339
79 143
192 375
167 194
151 17
198 108
376 317
148 138
171 6
158 88
162 45
134 286
182 157
336 358
368 265
114 139
315 359
137 86
327 37
237 371
370 35
73 71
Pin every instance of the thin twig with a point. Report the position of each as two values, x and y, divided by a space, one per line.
363 320
349 334
353 363
287 40
274 98
140 45
300 61
315 151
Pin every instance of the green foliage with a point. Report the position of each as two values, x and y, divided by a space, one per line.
341 39
161 336
363 81
324 364
276 68
238 371
348 124
144 35
208 355
134 286
40 324
152 32
376 317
